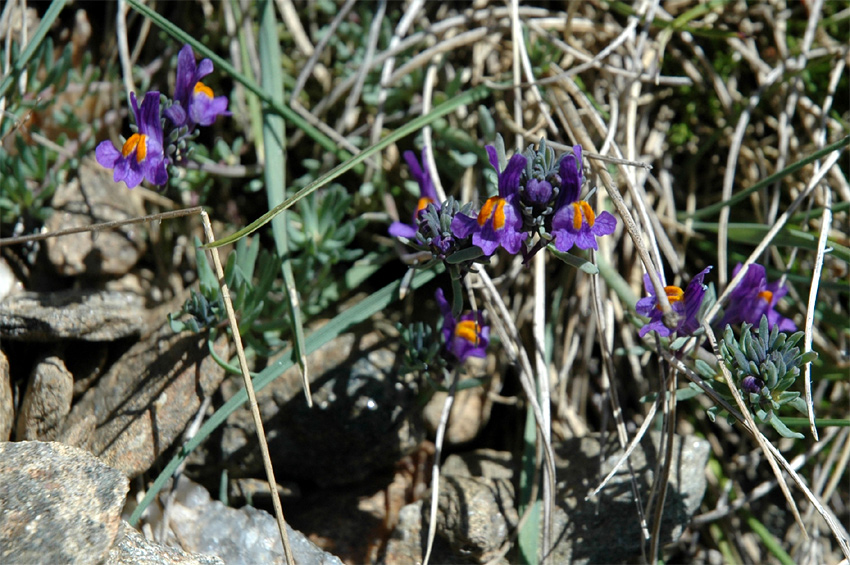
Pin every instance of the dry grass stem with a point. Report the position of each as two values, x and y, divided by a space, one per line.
249 388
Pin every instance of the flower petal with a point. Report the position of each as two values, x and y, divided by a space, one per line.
106 154
605 224
463 226
398 229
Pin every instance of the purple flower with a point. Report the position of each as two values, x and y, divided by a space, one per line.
574 222
685 303
466 337
754 297
571 175
427 195
751 384
194 101
499 222
141 156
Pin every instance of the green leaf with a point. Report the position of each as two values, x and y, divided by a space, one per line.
783 430
465 255
274 138
705 370
575 261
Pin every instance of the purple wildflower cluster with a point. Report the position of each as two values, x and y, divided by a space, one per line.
753 298
162 126
538 195
538 203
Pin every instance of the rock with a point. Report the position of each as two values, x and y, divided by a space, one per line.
71 314
476 513
470 413
486 463
7 405
146 398
87 363
58 504
93 198
362 419
246 535
606 529
9 283
47 400
132 548
408 542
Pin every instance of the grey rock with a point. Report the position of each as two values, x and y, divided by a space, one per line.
470 413
407 543
146 399
71 314
485 463
475 515
132 548
58 504
606 529
7 405
93 198
476 510
47 400
362 419
236 536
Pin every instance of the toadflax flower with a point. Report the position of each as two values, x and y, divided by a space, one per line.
755 297
686 303
466 336
195 103
574 222
427 195
499 222
142 155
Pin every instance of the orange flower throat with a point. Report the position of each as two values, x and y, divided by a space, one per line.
201 88
137 143
674 294
582 210
468 330
423 203
495 208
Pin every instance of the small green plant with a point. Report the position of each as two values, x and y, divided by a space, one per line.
30 167
320 234
765 364
251 275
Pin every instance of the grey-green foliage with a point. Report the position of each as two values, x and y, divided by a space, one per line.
31 169
320 233
424 351
421 347
252 277
765 364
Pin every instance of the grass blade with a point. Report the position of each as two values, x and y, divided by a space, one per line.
274 141
447 107
21 61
